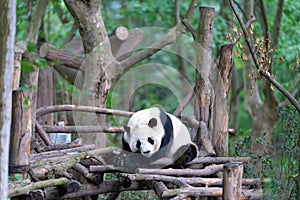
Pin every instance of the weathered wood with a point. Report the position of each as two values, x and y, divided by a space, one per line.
102 168
45 93
71 186
221 75
159 188
43 167
197 181
209 170
82 129
105 187
69 58
121 48
42 133
232 181
57 153
17 66
219 160
36 195
7 41
184 181
57 108
73 144
93 178
34 186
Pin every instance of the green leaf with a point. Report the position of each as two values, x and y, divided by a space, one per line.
27 66
30 47
42 63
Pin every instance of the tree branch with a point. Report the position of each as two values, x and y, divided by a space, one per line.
49 109
169 38
262 71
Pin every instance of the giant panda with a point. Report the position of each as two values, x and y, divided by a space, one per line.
154 136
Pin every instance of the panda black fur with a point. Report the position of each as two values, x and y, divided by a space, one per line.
155 135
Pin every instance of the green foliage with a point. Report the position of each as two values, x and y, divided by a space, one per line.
15 178
285 168
279 168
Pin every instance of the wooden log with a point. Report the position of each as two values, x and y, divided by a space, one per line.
93 178
122 46
122 42
219 160
102 168
73 144
105 187
72 186
232 181
66 57
57 108
57 153
161 178
36 195
185 181
20 190
47 166
42 133
197 181
159 188
209 170
83 129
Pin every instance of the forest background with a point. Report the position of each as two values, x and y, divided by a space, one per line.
259 114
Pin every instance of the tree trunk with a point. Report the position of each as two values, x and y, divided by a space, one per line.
263 113
24 101
203 89
45 93
7 40
98 70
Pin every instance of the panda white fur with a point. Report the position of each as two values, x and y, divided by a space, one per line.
155 135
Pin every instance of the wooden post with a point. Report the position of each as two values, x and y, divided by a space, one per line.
232 181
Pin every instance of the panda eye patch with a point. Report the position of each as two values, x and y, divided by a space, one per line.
152 122
138 144
150 140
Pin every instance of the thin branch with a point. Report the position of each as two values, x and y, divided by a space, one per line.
177 11
264 23
262 71
184 103
247 25
277 22
190 11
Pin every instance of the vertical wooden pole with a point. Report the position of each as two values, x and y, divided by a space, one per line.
232 181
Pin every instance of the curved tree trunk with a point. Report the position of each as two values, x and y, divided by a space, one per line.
97 65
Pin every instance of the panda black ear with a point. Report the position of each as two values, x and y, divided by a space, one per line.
127 129
152 122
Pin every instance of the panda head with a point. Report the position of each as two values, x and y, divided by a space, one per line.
145 132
